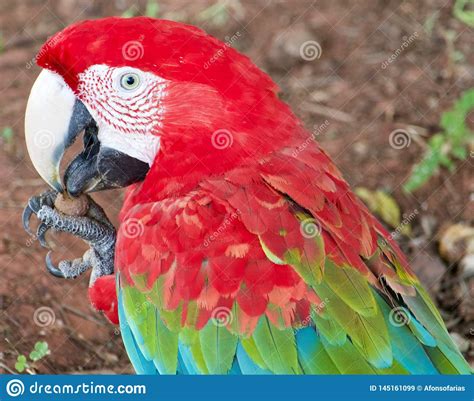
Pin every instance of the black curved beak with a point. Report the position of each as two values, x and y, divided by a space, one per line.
97 167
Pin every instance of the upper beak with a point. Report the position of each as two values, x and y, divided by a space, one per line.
54 118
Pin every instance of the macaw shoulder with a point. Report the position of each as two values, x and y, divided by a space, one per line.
271 207
203 253
274 239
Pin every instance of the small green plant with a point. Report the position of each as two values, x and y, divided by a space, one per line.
445 147
152 9
7 135
21 363
7 140
39 351
464 11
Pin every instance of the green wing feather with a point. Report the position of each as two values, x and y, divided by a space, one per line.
276 347
314 358
445 354
350 330
158 342
330 329
351 287
218 346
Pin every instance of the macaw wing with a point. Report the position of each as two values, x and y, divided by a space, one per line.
194 283
275 268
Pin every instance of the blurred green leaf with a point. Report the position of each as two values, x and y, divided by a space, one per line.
40 351
7 134
430 22
446 146
384 206
130 12
152 9
21 363
368 197
463 11
388 209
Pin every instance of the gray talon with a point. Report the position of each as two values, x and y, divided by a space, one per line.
26 216
69 268
52 268
35 203
40 234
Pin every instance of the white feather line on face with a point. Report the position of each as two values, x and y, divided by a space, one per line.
143 147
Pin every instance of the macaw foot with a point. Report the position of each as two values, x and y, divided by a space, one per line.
94 228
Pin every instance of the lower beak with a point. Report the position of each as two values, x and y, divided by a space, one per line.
54 118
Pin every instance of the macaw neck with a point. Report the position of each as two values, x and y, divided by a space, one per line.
206 134
178 172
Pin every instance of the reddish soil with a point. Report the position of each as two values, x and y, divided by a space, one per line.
362 101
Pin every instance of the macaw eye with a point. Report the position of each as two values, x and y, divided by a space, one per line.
130 81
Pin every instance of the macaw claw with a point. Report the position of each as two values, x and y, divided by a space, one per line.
94 228
40 235
70 268
52 268
35 203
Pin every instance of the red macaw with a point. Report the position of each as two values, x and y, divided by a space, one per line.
241 249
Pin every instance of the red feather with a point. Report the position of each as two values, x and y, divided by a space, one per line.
103 297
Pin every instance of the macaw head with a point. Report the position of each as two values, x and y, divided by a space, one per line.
150 96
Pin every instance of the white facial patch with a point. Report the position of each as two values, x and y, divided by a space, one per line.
126 104
143 147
